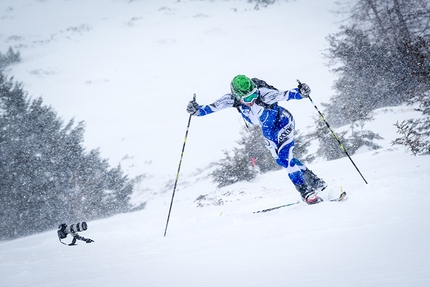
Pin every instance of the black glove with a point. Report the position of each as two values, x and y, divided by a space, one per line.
193 108
304 90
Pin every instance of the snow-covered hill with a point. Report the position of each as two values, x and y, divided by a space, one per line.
377 237
128 68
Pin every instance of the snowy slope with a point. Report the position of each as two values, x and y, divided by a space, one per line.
378 237
128 68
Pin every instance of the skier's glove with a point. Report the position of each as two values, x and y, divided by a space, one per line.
304 90
193 108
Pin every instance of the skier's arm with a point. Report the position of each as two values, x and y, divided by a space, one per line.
226 101
270 96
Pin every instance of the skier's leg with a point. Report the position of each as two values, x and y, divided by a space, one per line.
303 178
297 171
295 167
280 142
272 147
284 157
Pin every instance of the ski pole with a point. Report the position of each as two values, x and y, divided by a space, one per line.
179 168
335 136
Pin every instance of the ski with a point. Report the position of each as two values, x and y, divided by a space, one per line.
341 197
277 207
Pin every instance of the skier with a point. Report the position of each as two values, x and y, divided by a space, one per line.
258 104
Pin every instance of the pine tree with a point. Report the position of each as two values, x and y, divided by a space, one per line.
411 138
382 58
255 150
233 167
237 165
9 58
46 177
328 147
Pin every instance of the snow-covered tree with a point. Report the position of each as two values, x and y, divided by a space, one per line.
382 57
9 58
251 157
46 177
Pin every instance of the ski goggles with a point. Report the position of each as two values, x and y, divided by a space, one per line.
250 96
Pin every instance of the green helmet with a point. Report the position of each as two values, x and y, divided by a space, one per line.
242 86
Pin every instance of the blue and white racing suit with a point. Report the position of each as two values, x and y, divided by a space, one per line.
277 125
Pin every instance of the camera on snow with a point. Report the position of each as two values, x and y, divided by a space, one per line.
65 229
73 229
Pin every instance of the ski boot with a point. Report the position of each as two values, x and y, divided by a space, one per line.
316 183
308 194
312 198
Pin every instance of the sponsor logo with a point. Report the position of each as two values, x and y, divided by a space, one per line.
283 137
223 102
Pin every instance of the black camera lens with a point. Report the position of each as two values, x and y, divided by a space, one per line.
84 225
80 226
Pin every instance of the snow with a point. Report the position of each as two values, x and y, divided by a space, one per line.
128 69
